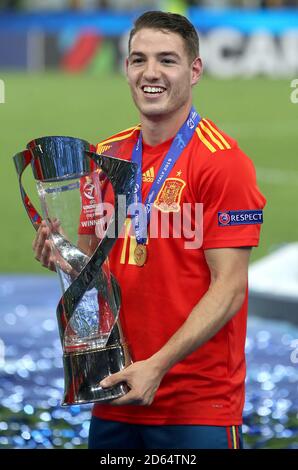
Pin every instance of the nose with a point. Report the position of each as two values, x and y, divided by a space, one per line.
151 71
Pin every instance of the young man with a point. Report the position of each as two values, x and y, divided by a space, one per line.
184 306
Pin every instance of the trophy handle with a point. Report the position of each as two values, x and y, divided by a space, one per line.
21 161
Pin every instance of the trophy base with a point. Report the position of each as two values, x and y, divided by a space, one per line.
83 371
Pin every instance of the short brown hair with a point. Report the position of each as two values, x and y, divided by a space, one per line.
169 22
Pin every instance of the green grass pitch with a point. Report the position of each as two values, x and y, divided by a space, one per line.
257 112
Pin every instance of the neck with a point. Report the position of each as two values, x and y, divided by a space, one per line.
158 129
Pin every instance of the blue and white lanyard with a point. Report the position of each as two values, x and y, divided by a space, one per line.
179 143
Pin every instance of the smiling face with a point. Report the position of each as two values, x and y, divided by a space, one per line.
159 73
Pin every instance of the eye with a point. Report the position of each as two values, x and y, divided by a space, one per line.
137 60
168 61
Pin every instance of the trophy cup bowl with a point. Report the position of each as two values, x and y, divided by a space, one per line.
66 170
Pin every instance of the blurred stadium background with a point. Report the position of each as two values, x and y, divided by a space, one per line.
61 65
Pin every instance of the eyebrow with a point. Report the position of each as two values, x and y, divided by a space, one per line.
159 54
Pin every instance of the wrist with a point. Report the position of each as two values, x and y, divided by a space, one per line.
159 364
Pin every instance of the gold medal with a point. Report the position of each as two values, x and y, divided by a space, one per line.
140 254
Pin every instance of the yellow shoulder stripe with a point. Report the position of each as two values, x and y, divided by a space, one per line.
218 134
212 137
205 141
121 137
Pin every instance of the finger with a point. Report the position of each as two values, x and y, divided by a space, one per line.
128 399
40 242
39 245
65 267
52 264
46 254
113 379
38 234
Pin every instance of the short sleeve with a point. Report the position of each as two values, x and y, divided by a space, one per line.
232 202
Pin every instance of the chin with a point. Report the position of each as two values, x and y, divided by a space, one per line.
153 111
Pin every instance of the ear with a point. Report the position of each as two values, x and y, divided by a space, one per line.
196 70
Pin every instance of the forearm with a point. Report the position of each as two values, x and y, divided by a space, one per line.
215 308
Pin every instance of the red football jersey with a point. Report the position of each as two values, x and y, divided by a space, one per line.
207 387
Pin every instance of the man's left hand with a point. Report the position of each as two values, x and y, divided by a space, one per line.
143 379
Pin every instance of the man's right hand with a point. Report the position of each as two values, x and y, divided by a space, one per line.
42 246
43 249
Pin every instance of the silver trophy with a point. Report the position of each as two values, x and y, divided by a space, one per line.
72 181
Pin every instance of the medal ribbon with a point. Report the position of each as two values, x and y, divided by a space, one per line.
182 138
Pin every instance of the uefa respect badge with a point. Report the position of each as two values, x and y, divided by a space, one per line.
240 217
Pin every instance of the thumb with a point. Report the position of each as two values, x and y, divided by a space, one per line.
113 379
56 223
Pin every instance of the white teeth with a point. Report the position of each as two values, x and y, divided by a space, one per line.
152 89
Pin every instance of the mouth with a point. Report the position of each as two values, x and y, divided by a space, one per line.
153 91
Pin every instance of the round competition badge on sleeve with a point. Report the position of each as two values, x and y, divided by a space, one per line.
224 218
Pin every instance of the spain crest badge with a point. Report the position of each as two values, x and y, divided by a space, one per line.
169 196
